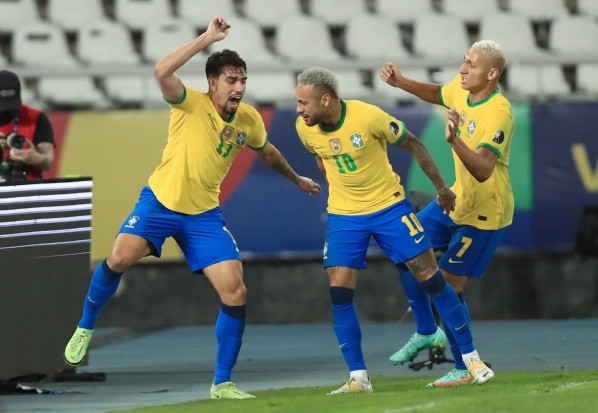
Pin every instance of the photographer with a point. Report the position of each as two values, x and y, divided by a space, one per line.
26 135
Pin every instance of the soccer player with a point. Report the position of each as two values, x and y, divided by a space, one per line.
366 199
470 234
206 133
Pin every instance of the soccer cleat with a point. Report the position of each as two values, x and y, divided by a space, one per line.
228 390
455 377
417 343
353 386
480 373
76 348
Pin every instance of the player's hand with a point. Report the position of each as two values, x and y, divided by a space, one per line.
452 125
446 200
391 74
308 185
218 28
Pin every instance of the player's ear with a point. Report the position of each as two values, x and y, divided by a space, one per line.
493 73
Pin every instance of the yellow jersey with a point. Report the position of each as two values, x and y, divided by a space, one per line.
354 153
490 204
200 149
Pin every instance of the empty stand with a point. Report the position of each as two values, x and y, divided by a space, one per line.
106 42
576 36
137 13
588 7
352 85
433 39
41 44
540 82
71 92
16 13
587 81
337 12
405 11
387 94
513 32
363 42
539 10
306 40
268 14
162 36
276 88
471 11
246 38
200 12
73 15
126 90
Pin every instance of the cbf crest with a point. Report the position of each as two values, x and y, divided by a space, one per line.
471 127
335 145
356 140
241 137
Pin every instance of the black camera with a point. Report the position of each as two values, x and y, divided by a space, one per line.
15 141
11 171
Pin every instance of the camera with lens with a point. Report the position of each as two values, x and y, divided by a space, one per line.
15 141
12 170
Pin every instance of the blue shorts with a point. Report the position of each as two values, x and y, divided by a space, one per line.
467 250
203 238
396 229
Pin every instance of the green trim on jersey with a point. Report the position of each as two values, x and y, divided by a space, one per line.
181 99
491 148
340 122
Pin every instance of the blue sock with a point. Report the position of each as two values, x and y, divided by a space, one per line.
451 311
459 364
229 335
102 287
419 301
346 327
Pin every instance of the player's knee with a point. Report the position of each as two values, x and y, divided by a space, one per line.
120 260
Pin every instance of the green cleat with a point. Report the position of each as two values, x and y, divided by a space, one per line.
76 349
417 343
455 377
228 390
353 386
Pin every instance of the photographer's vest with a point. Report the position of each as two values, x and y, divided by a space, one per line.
24 125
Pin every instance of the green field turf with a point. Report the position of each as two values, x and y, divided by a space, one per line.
529 392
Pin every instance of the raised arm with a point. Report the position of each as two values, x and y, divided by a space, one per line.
446 197
429 92
164 70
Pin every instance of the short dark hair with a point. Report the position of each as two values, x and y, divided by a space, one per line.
220 60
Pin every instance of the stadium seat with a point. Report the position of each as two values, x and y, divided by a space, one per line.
587 81
404 12
352 85
246 38
588 7
306 40
363 39
162 36
576 36
518 41
73 15
41 44
106 42
539 10
540 82
200 12
268 15
271 88
126 90
388 95
471 11
135 14
431 39
337 12
71 91
16 13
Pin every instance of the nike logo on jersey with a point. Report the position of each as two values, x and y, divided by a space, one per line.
452 261
418 240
